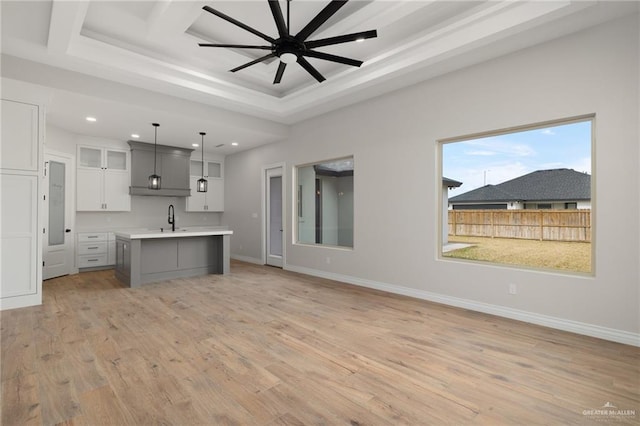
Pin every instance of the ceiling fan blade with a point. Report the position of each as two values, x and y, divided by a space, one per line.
312 44
237 46
238 23
310 69
332 58
276 11
320 19
257 61
279 73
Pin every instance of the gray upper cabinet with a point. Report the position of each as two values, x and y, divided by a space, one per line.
172 164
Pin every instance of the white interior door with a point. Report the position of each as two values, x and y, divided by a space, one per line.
57 242
273 214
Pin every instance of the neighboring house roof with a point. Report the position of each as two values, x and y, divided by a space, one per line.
450 183
541 185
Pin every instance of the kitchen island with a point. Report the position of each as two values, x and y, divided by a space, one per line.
145 256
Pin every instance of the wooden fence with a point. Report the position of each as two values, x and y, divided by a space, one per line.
551 225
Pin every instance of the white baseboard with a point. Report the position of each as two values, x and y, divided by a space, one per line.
247 259
592 330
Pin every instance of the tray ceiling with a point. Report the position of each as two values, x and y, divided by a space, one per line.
153 46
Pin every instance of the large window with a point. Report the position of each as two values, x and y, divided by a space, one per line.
520 196
325 203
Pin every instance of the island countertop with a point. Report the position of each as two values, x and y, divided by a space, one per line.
149 255
139 234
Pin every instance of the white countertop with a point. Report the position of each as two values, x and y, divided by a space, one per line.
138 234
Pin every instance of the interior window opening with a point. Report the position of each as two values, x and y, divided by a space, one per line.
325 203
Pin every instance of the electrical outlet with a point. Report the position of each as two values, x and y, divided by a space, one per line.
513 289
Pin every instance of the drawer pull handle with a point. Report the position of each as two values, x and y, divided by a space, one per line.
92 260
92 248
92 236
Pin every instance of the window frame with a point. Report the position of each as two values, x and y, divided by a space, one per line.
441 218
298 209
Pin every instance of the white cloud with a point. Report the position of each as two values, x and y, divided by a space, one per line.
481 153
473 178
553 165
581 165
499 145
548 132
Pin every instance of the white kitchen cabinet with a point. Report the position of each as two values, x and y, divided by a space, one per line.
95 250
19 123
19 235
102 179
213 199
20 194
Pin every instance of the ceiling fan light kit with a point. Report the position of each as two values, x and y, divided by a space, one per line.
288 58
294 48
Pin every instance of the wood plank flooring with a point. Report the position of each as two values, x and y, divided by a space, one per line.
268 347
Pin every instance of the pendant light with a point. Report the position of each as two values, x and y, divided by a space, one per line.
154 179
202 182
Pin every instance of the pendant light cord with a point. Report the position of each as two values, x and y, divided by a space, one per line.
202 144
155 146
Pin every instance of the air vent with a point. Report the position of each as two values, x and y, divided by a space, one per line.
220 146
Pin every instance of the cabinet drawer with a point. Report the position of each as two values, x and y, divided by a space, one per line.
89 261
87 237
98 247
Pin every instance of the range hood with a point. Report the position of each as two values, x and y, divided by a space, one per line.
172 164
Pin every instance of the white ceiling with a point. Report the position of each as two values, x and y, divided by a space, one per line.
130 63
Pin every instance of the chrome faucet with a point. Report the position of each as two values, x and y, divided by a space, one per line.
172 219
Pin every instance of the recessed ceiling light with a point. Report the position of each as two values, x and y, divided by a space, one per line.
92 119
195 144
135 135
235 143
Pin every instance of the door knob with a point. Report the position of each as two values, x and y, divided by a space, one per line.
67 230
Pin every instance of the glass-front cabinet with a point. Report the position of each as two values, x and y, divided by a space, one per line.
213 199
103 178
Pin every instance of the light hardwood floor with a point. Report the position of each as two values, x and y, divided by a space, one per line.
267 347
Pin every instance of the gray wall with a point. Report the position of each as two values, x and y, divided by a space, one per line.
397 229
146 212
307 222
329 210
345 211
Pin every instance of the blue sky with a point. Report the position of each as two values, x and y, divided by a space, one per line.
504 157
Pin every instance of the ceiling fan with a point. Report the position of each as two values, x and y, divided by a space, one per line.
294 48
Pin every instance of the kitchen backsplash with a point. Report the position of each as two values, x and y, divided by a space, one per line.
146 212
